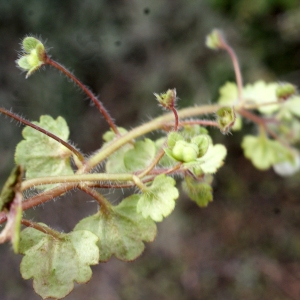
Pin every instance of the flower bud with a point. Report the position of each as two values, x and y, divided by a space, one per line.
34 55
286 90
184 151
225 118
202 142
214 40
167 99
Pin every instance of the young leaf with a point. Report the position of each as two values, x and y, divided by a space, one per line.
40 155
199 191
141 156
121 230
264 152
158 201
55 263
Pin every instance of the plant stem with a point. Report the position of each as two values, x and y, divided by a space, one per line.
176 118
152 125
199 122
96 101
103 202
236 66
38 128
258 120
76 178
41 228
139 183
156 159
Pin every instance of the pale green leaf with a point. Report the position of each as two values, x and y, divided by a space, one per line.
158 201
121 230
41 155
141 156
264 152
212 160
55 263
261 93
228 94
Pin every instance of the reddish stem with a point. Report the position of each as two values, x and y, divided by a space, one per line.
38 128
96 101
41 228
236 66
176 118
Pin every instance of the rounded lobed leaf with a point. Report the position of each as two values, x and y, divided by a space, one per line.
41 155
158 201
121 230
264 152
55 263
141 156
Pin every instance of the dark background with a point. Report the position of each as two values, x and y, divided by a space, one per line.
244 245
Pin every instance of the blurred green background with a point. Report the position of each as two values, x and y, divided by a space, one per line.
244 245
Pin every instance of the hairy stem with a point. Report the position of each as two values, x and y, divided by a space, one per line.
41 228
152 125
236 66
76 178
96 101
176 118
38 128
103 202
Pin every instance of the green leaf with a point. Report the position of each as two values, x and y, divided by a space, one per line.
261 93
228 94
212 160
264 152
199 191
158 201
141 156
41 155
55 263
115 162
121 230
109 135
